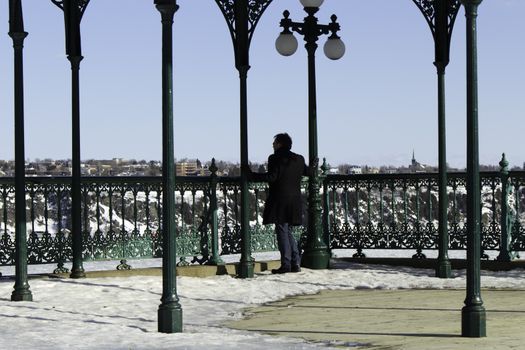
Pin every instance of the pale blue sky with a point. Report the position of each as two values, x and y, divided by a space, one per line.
375 105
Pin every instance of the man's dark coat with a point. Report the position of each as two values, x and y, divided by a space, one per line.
284 202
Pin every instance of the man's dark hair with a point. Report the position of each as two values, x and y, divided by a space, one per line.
284 139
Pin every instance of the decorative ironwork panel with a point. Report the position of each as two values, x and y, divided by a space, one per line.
490 229
120 219
517 210
255 10
82 4
427 8
399 211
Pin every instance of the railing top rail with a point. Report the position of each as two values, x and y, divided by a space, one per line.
53 180
236 179
408 176
517 173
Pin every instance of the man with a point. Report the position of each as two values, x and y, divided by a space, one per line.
283 206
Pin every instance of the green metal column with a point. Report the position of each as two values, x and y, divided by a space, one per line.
77 270
442 48
242 63
316 254
242 17
443 268
325 207
440 16
505 238
21 290
170 310
473 316
215 258
73 11
246 266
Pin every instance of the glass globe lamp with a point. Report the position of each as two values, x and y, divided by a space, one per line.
334 48
286 44
311 3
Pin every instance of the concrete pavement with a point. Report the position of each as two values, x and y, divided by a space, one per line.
376 319
391 319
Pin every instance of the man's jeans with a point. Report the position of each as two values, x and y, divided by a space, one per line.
287 246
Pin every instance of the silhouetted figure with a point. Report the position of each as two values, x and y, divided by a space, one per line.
283 205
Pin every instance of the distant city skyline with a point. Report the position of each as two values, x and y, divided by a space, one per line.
376 105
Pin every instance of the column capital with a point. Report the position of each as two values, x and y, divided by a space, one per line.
166 7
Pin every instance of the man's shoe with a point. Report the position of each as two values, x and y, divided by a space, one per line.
280 270
295 269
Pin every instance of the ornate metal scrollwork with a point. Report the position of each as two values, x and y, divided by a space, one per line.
427 8
59 3
255 10
82 4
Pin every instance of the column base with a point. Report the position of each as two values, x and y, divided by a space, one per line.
473 322
22 295
77 273
444 269
246 269
170 318
316 259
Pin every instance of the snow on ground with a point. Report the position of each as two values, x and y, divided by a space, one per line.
121 312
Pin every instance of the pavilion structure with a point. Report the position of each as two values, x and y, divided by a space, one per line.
242 17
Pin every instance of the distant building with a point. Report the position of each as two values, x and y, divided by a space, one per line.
189 168
388 169
415 166
355 169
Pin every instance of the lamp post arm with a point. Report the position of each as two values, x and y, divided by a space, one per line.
303 29
309 28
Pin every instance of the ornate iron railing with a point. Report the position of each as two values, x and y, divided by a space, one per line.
121 216
121 219
399 211
515 221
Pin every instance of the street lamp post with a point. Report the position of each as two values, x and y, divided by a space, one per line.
170 310
473 316
73 11
440 16
316 252
21 290
242 17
